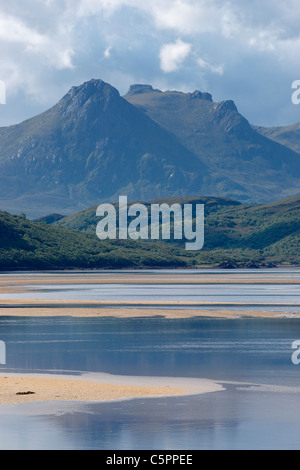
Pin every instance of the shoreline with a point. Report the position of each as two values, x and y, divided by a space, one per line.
40 311
143 268
95 387
26 284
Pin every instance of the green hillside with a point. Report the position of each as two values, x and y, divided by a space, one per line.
30 245
235 234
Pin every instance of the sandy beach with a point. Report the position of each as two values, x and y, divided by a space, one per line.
17 388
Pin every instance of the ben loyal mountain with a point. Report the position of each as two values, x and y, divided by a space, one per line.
95 145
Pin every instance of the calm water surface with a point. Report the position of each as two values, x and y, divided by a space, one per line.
253 296
241 351
260 294
246 350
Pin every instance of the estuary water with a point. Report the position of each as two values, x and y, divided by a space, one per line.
259 294
265 296
251 358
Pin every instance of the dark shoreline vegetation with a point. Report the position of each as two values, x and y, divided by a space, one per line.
236 236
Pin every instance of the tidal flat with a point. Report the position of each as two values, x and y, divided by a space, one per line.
131 354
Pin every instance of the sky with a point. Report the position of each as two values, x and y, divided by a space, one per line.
244 50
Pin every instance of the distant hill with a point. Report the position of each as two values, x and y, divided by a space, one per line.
86 220
285 135
95 145
235 234
49 219
30 245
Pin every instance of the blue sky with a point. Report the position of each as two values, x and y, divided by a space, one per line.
245 50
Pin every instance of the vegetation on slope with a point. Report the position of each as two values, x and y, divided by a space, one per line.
236 235
30 245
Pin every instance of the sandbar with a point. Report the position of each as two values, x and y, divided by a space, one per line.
139 312
18 388
19 280
30 283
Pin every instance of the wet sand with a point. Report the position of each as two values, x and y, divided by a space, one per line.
13 283
137 312
20 388
19 283
17 388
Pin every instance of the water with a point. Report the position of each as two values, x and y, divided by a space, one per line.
259 293
252 296
282 273
253 350
245 350
223 420
259 408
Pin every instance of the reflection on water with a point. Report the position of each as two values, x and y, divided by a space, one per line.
257 296
256 351
245 350
276 273
259 293
231 419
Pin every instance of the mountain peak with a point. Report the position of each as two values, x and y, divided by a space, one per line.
95 89
92 86
224 106
139 89
201 96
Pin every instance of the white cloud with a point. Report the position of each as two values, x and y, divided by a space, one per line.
205 65
173 55
183 16
25 39
108 7
107 52
13 30
29 51
48 44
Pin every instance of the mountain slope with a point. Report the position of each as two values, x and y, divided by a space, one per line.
285 135
247 165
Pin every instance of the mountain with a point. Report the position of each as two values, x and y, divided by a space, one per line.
285 135
91 146
95 145
247 165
